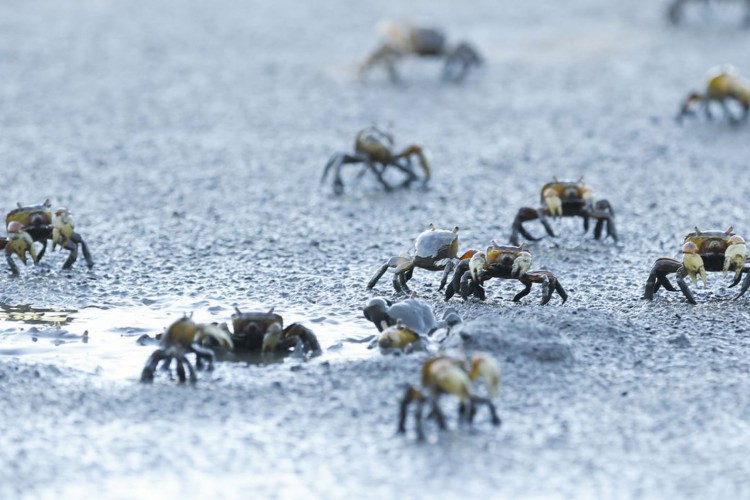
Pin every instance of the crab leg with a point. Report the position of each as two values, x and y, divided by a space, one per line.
603 213
386 55
392 262
417 151
203 352
484 401
455 283
449 266
682 273
336 163
13 266
526 214
745 282
399 276
546 278
309 341
459 61
658 276
147 375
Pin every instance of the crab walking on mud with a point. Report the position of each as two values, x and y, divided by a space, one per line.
434 250
403 40
449 375
35 222
566 199
703 251
184 337
723 86
504 262
374 148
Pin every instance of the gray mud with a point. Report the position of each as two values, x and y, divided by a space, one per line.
188 139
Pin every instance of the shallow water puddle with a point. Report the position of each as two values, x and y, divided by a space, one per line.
104 341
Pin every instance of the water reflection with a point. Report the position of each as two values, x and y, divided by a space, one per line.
36 316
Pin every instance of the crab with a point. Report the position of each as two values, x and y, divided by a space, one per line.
703 251
399 338
505 262
446 374
675 9
566 199
265 332
412 312
37 222
18 243
434 250
402 40
374 148
183 337
723 86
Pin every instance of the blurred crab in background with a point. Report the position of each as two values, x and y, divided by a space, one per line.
402 40
264 332
434 250
703 251
447 374
504 262
183 337
374 148
566 199
676 9
723 86
35 222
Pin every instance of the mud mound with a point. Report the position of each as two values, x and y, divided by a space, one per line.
512 339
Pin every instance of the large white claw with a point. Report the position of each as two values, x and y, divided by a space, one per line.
735 256
477 263
693 262
521 265
553 202
219 334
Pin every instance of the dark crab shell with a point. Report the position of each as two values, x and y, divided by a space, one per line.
568 191
29 215
374 143
250 327
503 255
711 246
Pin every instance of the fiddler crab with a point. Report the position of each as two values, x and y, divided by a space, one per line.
405 326
723 86
183 337
32 223
375 149
566 199
403 40
265 332
446 374
504 262
703 251
675 9
434 250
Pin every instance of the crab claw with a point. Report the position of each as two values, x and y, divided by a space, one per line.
487 368
693 262
220 335
477 263
521 265
735 256
271 338
553 202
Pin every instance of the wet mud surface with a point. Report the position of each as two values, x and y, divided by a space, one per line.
188 140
